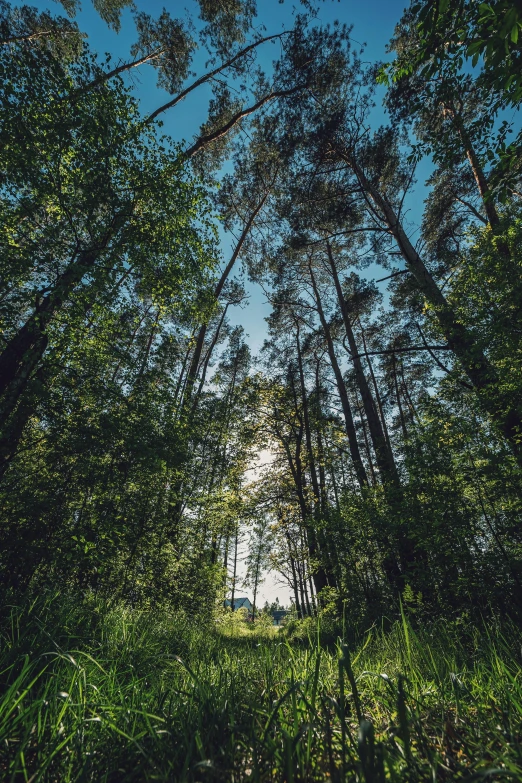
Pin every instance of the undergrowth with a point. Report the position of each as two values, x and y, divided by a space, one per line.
92 693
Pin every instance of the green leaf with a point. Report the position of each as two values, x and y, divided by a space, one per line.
475 46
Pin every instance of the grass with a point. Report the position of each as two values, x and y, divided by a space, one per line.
90 693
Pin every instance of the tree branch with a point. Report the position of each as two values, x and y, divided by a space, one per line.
437 361
104 77
407 349
471 209
207 76
217 134
394 274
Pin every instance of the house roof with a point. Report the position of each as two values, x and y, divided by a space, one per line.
239 602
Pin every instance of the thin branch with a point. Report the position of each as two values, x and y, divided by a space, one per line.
31 36
394 274
408 349
437 361
341 234
472 209
105 77
207 76
217 134
406 189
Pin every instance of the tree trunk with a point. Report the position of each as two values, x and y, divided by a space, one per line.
11 433
398 398
204 366
25 349
306 422
321 578
413 413
360 470
478 171
320 447
376 389
200 341
504 412
304 590
366 442
383 453
295 587
254 603
295 583
234 572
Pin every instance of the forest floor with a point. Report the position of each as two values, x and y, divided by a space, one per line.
92 693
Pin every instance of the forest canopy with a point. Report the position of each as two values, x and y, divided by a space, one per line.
388 390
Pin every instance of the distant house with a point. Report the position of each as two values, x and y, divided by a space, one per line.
240 603
279 616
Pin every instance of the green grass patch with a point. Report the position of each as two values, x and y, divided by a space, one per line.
93 693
